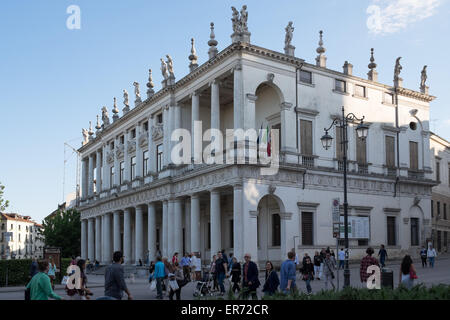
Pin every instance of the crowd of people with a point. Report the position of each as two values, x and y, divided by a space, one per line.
168 277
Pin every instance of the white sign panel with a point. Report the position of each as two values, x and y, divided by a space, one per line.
335 210
358 227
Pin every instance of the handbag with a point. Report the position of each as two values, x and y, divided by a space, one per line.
153 285
64 280
412 275
173 285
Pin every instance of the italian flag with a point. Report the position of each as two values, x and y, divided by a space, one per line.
269 140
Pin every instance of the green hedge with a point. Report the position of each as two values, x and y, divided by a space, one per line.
19 271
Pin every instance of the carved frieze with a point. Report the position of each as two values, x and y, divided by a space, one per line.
119 151
131 146
157 131
143 140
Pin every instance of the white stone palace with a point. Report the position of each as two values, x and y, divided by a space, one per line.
135 199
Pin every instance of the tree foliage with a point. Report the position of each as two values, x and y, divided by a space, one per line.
3 203
64 230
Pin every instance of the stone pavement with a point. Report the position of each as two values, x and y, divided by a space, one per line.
139 287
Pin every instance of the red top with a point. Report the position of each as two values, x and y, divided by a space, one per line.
365 263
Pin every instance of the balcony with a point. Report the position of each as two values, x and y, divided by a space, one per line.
308 161
363 168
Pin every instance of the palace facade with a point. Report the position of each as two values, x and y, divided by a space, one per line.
135 199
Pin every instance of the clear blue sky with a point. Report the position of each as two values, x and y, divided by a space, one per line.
54 80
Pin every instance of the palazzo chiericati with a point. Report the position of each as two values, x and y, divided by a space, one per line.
135 199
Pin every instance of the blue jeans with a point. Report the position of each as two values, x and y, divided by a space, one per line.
431 259
220 279
308 285
341 264
159 294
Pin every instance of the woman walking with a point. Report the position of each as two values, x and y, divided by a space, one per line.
329 266
235 275
272 280
317 263
308 274
431 255
178 277
407 272
83 293
51 271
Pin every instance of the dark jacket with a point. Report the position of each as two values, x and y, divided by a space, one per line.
272 282
318 260
307 270
114 281
236 272
252 276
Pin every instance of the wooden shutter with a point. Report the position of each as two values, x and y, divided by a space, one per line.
339 150
361 155
306 137
391 231
307 228
413 156
390 151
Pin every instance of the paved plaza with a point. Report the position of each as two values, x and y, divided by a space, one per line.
139 287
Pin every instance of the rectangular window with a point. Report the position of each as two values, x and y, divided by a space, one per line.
112 145
157 239
361 151
231 233
276 230
438 204
363 242
360 91
446 239
339 145
146 162
445 211
146 126
133 133
388 98
391 237
390 151
122 170
439 241
438 171
111 177
307 228
159 157
122 139
133 168
306 137
340 85
413 156
432 208
414 231
159 118
305 76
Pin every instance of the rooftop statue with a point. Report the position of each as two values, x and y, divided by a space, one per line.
423 77
397 68
289 33
164 69
105 117
170 66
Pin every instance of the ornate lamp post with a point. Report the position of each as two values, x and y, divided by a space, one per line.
361 131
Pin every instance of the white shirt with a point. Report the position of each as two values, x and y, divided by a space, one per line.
431 253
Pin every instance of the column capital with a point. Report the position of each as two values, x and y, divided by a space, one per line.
194 196
251 97
237 67
214 82
285 105
214 190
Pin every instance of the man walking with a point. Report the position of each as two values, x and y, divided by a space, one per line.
185 262
329 266
114 278
431 254
287 274
423 257
317 263
365 263
250 277
341 258
221 271
159 276
383 255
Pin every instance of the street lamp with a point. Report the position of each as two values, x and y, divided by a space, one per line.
361 130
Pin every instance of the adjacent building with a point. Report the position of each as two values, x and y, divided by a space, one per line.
21 237
136 199
440 202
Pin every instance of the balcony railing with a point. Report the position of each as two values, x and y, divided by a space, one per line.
340 165
363 168
391 172
416 175
308 161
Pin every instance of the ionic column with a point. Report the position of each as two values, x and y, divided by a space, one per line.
151 146
84 178
98 239
127 235
139 155
84 241
151 231
91 176
165 235
116 181
139 226
106 184
103 238
126 159
215 105
166 137
195 223
187 224
116 231
177 227
170 227
238 97
237 222
195 116
91 240
107 245
216 235
98 179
